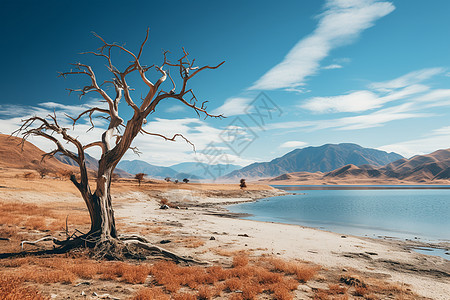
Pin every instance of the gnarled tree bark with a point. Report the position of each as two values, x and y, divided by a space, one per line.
116 140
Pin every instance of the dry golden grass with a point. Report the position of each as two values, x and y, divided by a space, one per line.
367 288
240 261
246 278
302 271
12 289
38 217
151 293
162 230
191 242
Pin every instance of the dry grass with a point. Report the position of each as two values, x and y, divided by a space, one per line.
151 293
246 278
191 242
13 289
36 217
67 270
302 271
367 288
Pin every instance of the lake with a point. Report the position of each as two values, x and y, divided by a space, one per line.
405 212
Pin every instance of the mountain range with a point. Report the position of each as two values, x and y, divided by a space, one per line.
91 163
430 168
315 159
190 170
311 165
420 168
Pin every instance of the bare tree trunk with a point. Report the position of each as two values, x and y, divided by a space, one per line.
115 141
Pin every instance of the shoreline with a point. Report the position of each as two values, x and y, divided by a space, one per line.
203 228
427 275
417 241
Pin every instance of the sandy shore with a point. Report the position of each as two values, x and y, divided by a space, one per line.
206 217
202 218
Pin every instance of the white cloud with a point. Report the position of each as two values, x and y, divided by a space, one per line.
375 119
232 107
438 139
407 79
156 150
363 100
175 109
332 66
436 95
340 24
293 144
378 118
354 102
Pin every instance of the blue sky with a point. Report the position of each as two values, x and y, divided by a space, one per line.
375 73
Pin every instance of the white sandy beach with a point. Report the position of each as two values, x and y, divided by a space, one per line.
390 259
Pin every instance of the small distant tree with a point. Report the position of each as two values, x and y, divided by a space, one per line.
242 183
167 179
176 181
185 180
117 138
139 177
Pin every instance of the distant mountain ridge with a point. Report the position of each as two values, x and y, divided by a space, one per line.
427 168
139 166
324 158
91 163
190 170
203 170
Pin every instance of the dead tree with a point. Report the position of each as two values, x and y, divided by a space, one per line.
139 177
116 140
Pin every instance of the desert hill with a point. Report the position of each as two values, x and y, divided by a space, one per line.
430 168
12 156
316 159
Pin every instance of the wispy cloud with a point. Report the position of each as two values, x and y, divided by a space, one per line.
233 106
378 94
154 149
175 109
353 102
407 79
378 118
375 119
332 66
340 24
293 144
437 139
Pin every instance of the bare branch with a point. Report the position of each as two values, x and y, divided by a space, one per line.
172 139
89 112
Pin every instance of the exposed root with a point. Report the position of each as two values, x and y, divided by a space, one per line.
142 243
166 253
45 238
125 246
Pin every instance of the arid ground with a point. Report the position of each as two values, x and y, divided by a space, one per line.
241 259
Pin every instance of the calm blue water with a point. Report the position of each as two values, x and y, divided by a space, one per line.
401 213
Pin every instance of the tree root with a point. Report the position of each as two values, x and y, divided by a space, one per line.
142 243
45 238
106 248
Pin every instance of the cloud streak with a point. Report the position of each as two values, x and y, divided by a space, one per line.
437 139
340 24
380 93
